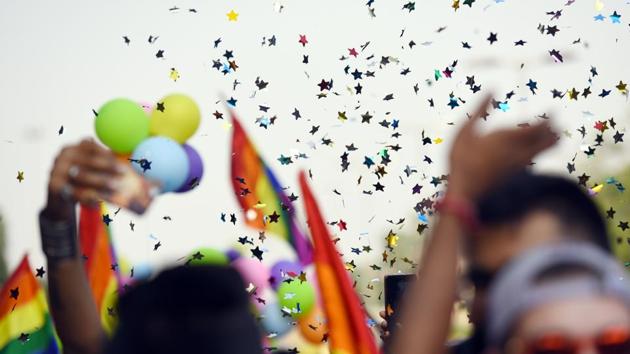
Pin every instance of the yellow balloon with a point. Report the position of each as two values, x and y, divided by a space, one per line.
312 326
176 116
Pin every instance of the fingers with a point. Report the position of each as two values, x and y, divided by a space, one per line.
483 106
534 139
468 128
87 170
104 163
94 180
382 326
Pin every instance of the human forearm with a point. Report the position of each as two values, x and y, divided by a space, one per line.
72 306
73 309
80 173
428 303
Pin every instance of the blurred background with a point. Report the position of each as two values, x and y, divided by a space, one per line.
63 60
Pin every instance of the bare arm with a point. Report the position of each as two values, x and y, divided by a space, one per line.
476 163
81 173
73 308
428 306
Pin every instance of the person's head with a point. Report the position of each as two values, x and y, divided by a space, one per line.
524 211
193 309
560 299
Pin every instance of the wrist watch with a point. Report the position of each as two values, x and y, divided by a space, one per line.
59 238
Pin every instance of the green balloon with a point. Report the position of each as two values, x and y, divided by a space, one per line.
208 256
297 296
121 124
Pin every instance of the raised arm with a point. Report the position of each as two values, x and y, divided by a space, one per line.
476 163
81 173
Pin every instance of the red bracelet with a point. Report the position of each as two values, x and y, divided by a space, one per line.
463 210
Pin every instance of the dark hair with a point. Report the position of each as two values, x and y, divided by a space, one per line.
200 309
526 192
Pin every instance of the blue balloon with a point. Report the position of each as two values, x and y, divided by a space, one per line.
142 271
162 160
272 320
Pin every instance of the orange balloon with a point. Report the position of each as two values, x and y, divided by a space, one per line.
312 326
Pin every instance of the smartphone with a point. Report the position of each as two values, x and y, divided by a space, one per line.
395 286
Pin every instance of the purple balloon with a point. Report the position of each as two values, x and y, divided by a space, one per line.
233 255
195 172
279 272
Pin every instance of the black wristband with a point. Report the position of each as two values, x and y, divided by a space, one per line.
59 238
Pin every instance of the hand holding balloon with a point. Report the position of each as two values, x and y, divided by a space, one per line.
151 137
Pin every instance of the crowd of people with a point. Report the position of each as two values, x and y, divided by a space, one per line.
535 249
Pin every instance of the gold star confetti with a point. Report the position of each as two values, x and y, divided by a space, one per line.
232 16
598 188
174 74
622 87
392 239
20 176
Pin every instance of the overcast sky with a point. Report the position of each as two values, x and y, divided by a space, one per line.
63 59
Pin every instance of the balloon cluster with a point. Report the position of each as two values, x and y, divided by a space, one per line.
293 296
154 139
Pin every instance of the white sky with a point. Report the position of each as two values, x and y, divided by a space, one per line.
62 59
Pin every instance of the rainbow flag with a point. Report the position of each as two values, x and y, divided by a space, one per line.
265 205
346 319
100 266
25 323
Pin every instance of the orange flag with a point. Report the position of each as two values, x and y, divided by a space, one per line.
346 318
100 266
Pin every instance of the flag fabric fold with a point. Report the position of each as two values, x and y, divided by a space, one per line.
25 323
261 197
101 265
346 318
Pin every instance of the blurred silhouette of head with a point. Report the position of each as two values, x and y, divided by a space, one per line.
524 211
193 309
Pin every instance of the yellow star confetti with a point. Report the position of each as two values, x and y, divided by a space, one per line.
622 87
438 141
174 74
392 239
232 16
598 188
20 176
389 310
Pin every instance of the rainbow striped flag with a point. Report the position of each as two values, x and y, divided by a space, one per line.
347 321
100 266
25 323
265 205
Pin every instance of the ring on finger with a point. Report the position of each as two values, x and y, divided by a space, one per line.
73 171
